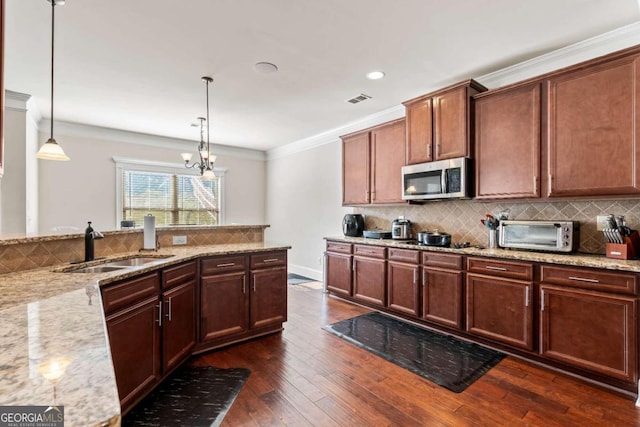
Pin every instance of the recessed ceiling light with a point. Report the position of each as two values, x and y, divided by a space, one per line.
375 75
265 67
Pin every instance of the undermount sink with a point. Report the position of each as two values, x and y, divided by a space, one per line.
133 262
97 269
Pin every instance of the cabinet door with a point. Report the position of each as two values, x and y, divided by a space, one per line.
402 288
338 278
419 131
369 280
442 296
387 159
593 126
507 149
500 309
450 122
178 325
224 305
134 336
268 297
590 330
355 169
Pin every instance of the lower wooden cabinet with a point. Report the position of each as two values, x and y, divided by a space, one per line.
338 273
442 296
134 336
369 284
591 330
220 317
268 299
403 291
178 324
500 309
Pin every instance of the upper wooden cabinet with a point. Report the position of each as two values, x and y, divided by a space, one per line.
507 143
438 124
592 130
371 165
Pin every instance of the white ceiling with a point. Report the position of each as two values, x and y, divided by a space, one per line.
136 64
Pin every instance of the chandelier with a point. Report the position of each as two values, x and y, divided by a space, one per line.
205 165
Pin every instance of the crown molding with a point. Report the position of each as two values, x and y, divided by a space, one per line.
16 101
609 42
333 135
109 134
593 47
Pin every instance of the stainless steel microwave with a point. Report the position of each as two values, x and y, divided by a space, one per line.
553 236
442 179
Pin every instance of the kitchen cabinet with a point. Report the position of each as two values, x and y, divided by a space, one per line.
588 319
403 278
369 274
240 295
179 314
338 268
593 126
371 165
442 289
499 307
133 318
507 143
439 124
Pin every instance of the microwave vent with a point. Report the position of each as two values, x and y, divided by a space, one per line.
359 98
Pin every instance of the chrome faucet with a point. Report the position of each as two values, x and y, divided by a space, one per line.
89 236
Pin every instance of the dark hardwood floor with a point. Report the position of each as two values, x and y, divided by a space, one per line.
308 377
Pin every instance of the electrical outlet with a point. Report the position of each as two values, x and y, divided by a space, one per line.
179 240
602 222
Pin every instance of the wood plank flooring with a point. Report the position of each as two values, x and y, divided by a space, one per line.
308 377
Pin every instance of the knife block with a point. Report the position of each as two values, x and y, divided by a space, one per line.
627 250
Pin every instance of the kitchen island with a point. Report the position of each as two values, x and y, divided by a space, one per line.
50 317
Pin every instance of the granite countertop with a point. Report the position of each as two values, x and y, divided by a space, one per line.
47 314
574 259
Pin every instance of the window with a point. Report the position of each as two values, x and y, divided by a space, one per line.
171 194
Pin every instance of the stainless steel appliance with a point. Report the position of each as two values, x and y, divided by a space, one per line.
553 236
401 229
442 179
353 225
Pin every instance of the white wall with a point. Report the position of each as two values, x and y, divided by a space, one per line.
13 182
304 197
83 189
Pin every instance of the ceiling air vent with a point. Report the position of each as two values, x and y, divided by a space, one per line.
359 98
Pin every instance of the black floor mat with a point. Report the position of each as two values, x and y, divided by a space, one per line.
440 358
295 279
192 396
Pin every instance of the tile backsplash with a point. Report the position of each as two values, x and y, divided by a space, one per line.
461 218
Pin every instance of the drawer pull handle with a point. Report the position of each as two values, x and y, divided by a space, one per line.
491 267
254 284
271 260
584 279
526 297
244 285
169 309
159 320
415 276
226 264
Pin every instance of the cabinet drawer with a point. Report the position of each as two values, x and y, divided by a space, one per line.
404 255
174 276
369 251
590 279
129 292
343 248
269 259
222 264
510 269
435 259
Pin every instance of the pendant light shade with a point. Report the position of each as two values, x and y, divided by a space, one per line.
51 150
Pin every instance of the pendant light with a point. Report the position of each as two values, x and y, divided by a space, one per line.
204 150
51 150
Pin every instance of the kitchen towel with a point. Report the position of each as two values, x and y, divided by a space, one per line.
149 232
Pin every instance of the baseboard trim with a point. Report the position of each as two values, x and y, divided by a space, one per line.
306 272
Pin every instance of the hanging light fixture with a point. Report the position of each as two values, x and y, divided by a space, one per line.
51 150
204 150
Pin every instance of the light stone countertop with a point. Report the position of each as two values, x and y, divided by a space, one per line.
574 259
48 313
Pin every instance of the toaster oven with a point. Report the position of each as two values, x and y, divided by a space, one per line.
552 236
